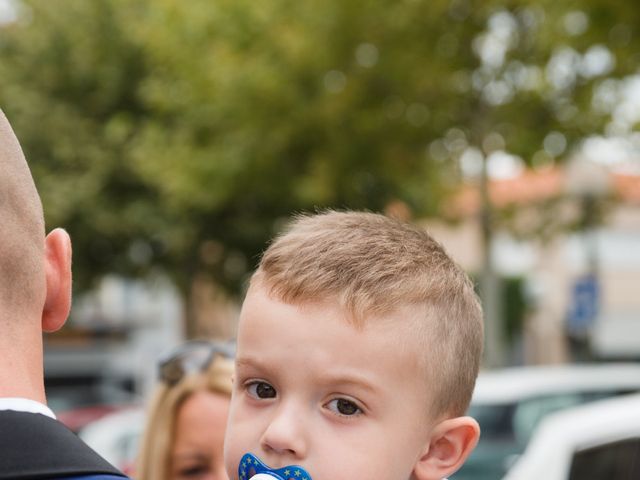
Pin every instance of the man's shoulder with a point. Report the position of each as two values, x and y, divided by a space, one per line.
93 477
35 446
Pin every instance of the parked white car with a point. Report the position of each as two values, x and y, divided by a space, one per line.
509 404
599 441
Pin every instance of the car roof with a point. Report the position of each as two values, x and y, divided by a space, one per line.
562 433
511 385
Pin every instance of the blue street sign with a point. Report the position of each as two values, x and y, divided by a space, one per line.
585 304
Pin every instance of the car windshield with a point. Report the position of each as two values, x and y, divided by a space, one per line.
517 421
496 421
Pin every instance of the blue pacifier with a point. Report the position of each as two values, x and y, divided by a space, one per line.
251 467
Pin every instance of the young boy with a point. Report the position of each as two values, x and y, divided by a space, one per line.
358 348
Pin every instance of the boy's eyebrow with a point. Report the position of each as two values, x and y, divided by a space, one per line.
341 378
248 362
251 363
348 379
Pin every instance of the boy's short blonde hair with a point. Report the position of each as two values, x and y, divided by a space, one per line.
373 265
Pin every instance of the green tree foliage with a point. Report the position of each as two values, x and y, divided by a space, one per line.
178 134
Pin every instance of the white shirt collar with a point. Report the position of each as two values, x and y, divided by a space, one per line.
25 405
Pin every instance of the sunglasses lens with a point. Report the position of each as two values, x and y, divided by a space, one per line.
171 371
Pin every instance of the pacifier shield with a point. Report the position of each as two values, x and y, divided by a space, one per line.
250 466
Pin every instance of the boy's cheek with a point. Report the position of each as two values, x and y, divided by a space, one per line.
231 453
234 443
242 436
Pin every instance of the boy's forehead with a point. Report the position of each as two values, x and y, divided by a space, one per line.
400 329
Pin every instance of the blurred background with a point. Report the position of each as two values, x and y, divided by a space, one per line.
172 139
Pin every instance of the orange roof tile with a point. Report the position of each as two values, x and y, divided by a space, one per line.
530 187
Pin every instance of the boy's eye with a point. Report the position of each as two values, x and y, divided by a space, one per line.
344 407
261 390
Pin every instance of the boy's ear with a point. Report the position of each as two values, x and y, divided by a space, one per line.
450 444
58 280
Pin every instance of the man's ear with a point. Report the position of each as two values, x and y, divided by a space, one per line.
450 444
58 280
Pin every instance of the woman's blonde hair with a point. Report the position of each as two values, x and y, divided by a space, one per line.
157 441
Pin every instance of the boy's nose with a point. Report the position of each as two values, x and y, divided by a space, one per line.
285 434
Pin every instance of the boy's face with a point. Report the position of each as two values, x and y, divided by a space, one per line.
313 390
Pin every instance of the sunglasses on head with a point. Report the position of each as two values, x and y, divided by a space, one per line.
191 357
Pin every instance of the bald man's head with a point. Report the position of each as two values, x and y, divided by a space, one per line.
21 227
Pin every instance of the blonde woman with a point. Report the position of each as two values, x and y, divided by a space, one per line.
184 436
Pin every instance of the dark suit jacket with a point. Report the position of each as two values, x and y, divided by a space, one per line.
36 447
